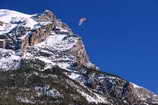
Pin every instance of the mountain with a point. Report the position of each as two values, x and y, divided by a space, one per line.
43 62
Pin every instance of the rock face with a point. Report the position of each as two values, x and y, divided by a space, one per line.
22 36
44 63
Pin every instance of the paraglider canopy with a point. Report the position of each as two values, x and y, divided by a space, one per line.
82 20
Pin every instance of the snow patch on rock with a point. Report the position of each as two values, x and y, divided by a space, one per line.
24 100
9 60
47 91
58 42
12 18
136 86
74 76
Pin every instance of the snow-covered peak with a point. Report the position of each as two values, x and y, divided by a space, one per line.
40 37
10 19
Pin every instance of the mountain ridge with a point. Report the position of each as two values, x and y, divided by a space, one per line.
45 63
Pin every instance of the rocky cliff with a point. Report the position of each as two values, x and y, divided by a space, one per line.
47 64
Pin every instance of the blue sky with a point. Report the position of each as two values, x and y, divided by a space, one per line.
121 36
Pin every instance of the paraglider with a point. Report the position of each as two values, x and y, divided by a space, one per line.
82 20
